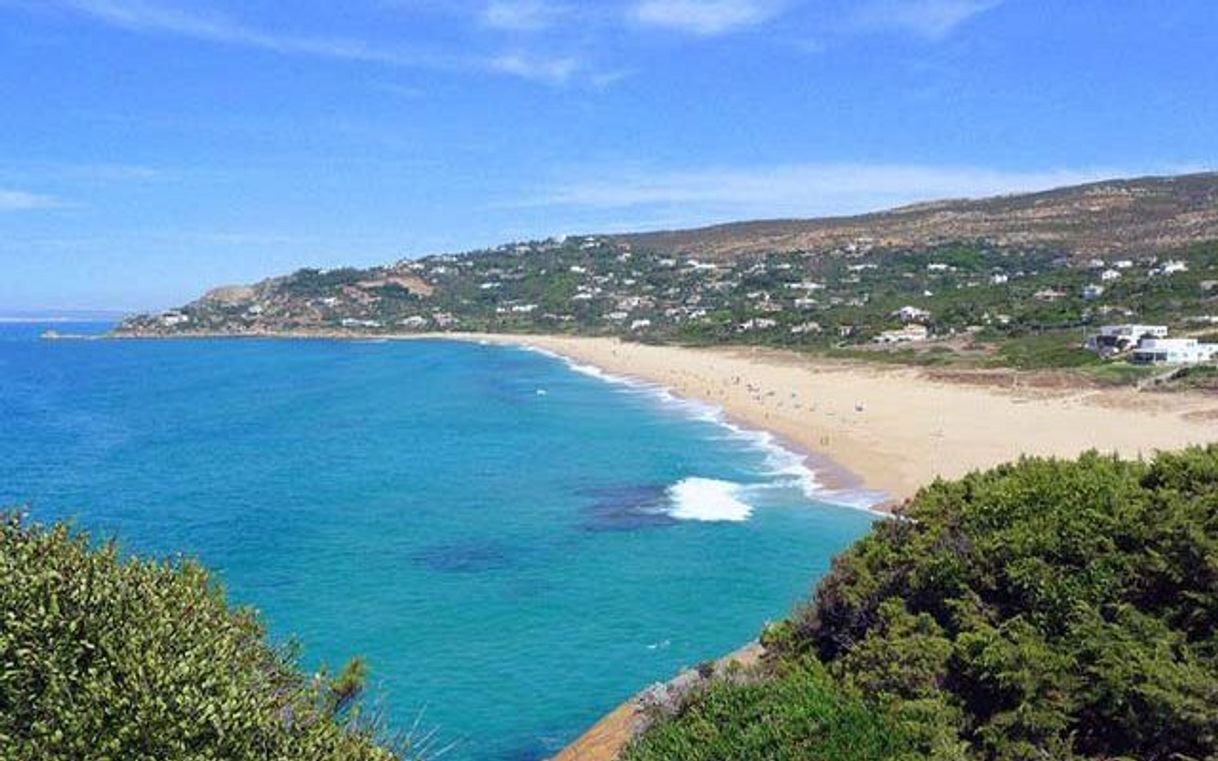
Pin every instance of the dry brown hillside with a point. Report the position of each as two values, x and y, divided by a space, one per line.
1150 213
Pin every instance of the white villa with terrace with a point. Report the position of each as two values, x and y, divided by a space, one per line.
1173 351
1114 339
1149 345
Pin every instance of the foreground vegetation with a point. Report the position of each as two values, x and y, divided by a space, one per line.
1042 610
123 659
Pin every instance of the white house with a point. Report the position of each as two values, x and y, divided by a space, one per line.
1174 351
1092 292
757 323
912 314
908 334
351 322
1113 339
1110 274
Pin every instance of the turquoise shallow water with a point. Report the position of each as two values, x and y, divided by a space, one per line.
515 546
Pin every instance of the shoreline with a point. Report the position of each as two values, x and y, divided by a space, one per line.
870 428
606 739
833 481
862 428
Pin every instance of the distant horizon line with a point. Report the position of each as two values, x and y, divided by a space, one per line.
20 316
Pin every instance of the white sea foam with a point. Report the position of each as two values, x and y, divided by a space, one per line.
787 467
707 499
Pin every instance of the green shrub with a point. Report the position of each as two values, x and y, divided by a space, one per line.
103 657
1054 349
1041 610
798 715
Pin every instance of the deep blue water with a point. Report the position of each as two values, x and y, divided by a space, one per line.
514 545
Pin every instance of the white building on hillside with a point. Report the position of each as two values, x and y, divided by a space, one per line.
912 314
912 333
1113 339
1174 351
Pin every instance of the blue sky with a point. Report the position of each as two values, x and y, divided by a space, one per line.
150 149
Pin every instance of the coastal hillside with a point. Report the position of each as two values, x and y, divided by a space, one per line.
1042 610
1134 216
952 282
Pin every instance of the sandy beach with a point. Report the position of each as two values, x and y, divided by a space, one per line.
898 428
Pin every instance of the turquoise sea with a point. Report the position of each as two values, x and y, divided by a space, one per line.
515 544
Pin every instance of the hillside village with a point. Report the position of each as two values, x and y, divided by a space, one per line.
861 296
984 301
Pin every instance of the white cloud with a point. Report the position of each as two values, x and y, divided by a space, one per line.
153 18
539 69
932 19
705 18
32 171
17 200
715 194
520 15
142 16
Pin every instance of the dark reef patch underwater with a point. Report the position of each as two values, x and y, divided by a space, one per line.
627 508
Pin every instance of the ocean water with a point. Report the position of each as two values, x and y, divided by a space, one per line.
514 543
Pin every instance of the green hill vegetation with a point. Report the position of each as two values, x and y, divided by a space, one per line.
106 658
1010 282
1042 610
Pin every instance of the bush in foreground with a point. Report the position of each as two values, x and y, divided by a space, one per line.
103 657
1042 610
795 715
